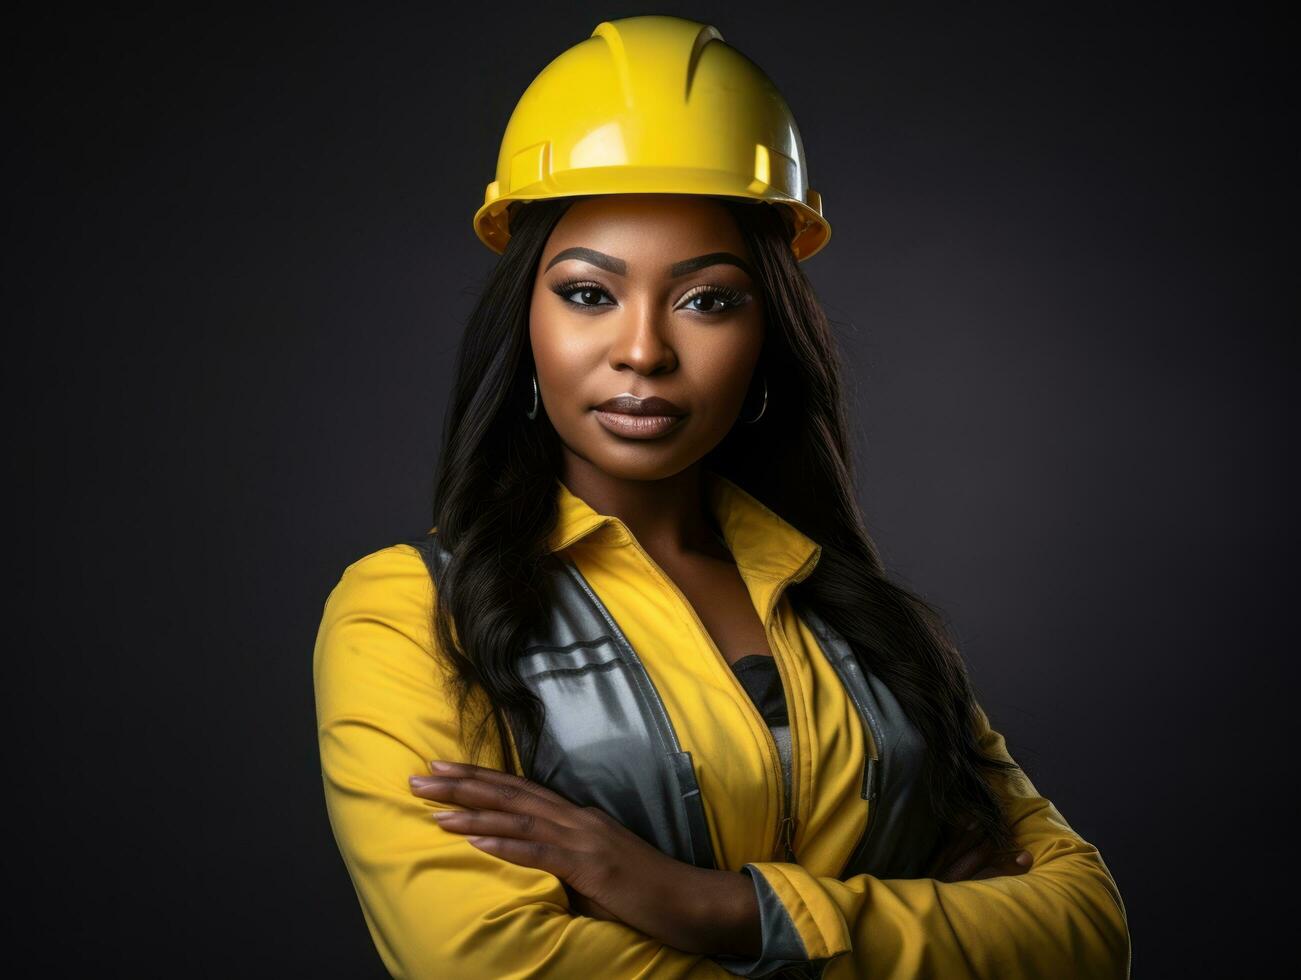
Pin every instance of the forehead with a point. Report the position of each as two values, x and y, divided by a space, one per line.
648 230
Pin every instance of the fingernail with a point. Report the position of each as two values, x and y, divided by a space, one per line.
422 781
440 766
441 815
1023 858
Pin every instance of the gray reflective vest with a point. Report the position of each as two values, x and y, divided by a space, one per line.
609 743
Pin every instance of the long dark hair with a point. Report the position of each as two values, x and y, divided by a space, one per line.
494 507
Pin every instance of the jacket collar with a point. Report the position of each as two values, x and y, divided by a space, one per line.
762 544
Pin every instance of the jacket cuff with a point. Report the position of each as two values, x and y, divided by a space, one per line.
800 925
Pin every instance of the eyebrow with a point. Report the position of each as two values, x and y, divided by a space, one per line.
620 268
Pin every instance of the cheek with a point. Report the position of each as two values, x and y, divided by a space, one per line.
549 353
565 364
722 372
721 409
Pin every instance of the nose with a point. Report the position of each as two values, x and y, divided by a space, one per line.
642 340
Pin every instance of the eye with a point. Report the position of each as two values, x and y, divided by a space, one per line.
715 300
583 287
716 295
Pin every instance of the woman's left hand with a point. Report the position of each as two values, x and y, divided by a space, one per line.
620 876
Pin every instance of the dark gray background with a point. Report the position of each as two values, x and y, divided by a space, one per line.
241 255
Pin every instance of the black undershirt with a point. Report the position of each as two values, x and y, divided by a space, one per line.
758 674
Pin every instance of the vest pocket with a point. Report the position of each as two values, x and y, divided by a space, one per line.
606 743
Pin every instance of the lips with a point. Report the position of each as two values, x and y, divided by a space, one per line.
632 405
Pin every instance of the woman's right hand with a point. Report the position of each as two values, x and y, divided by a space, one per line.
972 856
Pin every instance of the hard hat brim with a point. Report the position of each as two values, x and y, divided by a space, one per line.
811 231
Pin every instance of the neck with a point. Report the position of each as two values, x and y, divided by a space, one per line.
669 516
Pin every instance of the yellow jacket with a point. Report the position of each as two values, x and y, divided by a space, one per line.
436 906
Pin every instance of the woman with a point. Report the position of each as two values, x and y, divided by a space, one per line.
647 674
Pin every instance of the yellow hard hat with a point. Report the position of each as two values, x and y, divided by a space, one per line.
653 104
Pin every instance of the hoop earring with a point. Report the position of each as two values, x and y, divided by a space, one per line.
764 407
533 412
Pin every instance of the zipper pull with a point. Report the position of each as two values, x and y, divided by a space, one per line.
786 834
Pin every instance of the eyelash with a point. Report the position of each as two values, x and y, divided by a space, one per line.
732 297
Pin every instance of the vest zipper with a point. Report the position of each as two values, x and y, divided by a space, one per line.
785 833
871 792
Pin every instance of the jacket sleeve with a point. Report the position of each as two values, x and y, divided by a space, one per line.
1063 917
435 905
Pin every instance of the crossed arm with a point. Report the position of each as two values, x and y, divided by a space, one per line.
437 905
1062 917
